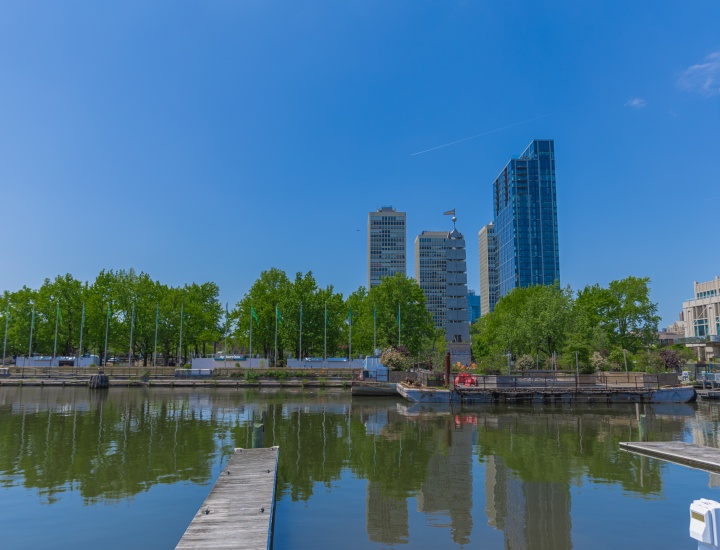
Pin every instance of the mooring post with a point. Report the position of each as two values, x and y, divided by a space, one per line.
447 368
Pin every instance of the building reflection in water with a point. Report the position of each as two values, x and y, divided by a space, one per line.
531 514
447 490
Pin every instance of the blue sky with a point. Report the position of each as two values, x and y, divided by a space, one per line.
211 140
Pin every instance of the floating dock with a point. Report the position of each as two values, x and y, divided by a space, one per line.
686 454
240 510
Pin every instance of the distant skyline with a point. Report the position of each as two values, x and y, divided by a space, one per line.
210 141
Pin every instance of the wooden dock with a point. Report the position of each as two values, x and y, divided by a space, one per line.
686 454
239 511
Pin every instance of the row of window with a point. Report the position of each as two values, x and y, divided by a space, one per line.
706 294
702 327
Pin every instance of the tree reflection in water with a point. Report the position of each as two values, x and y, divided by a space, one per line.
110 446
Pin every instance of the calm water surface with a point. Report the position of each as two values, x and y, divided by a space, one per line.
129 469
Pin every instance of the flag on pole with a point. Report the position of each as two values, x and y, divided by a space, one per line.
398 315
59 313
254 315
326 316
278 314
449 213
350 315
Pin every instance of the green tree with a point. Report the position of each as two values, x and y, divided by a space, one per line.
382 304
623 312
259 306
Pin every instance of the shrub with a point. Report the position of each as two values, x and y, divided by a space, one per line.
525 362
396 359
251 375
599 361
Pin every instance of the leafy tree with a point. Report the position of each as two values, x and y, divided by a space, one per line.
258 307
623 311
381 306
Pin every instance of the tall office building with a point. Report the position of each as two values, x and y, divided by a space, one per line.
525 223
430 266
488 269
386 244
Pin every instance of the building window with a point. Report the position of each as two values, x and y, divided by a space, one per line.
701 327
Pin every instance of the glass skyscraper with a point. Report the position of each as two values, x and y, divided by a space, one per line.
525 225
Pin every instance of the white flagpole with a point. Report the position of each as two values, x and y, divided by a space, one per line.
7 318
32 326
82 326
300 351
374 329
350 339
157 315
57 311
276 323
132 325
325 338
398 325
251 322
107 327
182 309
226 331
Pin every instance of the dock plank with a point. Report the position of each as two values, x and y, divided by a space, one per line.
687 454
238 512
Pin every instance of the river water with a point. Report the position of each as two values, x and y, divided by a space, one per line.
129 468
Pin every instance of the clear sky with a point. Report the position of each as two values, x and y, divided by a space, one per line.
207 141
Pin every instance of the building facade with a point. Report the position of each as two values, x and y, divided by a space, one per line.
702 320
473 306
487 244
387 253
525 225
430 267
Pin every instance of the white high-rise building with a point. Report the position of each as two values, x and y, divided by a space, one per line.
387 253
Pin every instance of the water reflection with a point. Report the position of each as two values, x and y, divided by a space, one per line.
110 446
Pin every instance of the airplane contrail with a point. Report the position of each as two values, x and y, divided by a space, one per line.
480 135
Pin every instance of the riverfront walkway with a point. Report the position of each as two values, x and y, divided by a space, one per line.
695 456
239 511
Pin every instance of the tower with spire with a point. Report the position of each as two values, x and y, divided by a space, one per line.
457 328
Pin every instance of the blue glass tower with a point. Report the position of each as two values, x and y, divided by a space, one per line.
525 223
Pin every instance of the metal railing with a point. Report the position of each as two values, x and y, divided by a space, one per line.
559 381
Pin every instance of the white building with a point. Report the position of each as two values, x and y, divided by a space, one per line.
702 320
